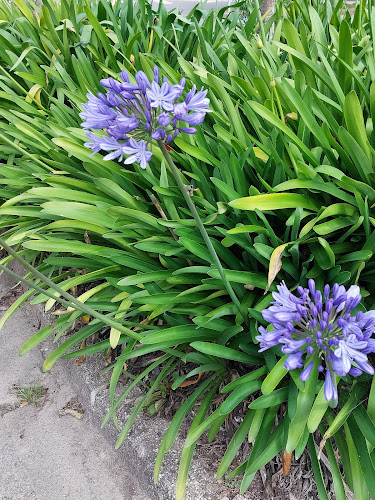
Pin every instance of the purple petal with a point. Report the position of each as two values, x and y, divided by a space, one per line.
294 361
188 130
355 372
330 391
305 374
195 118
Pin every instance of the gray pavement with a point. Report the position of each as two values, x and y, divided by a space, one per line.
44 454
185 6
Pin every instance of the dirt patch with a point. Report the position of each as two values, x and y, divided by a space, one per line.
73 407
7 300
6 408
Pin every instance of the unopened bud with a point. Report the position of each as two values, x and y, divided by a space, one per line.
272 84
259 44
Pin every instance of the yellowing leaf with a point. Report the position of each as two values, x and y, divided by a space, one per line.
74 413
60 312
114 337
292 116
261 155
120 296
82 298
34 93
151 39
123 308
275 264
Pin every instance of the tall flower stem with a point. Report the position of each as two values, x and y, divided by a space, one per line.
202 229
282 117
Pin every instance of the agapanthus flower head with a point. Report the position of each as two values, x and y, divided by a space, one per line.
315 325
133 114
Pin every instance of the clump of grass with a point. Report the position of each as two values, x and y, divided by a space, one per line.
30 394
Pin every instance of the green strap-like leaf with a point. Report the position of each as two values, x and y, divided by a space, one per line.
275 201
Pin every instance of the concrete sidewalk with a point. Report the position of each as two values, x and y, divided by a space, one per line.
44 453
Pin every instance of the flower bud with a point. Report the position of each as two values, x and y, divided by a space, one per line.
259 44
272 85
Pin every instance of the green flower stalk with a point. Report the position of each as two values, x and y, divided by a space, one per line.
202 229
135 114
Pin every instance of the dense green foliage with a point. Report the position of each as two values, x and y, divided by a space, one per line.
290 139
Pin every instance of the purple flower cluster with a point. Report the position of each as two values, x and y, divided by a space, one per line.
132 114
316 325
